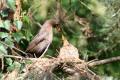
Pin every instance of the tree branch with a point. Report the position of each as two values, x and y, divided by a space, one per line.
105 61
17 11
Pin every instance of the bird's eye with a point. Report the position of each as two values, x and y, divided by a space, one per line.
56 24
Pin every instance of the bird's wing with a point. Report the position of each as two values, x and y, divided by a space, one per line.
37 39
41 48
45 50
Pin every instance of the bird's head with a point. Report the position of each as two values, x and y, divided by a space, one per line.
65 41
53 22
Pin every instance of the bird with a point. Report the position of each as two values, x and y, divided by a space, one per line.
40 43
68 51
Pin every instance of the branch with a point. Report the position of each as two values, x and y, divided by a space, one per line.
17 11
82 3
18 57
3 4
105 61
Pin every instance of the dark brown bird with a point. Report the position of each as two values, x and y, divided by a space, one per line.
40 43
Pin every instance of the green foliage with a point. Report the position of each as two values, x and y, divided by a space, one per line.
40 9
11 4
18 24
2 50
4 13
11 65
5 24
3 35
103 15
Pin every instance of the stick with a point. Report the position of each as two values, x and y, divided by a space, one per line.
105 61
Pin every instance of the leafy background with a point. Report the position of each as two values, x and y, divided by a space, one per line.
103 16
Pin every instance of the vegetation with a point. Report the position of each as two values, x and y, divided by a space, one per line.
92 26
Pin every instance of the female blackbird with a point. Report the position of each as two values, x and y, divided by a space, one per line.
40 43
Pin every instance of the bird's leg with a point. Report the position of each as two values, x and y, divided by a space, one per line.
44 51
34 55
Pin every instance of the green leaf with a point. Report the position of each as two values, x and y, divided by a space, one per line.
1 25
101 45
2 50
3 35
26 19
1 74
18 24
12 65
9 41
18 36
11 4
9 61
28 34
10 68
17 65
6 24
4 14
28 62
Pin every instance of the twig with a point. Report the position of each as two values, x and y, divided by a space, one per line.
18 9
84 5
2 61
116 13
105 61
92 61
69 70
12 56
3 4
38 24
18 57
56 77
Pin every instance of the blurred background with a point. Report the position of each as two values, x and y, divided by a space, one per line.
93 26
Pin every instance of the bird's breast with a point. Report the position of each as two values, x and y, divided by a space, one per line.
50 35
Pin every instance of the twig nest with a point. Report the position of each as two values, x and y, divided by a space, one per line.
43 64
41 69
